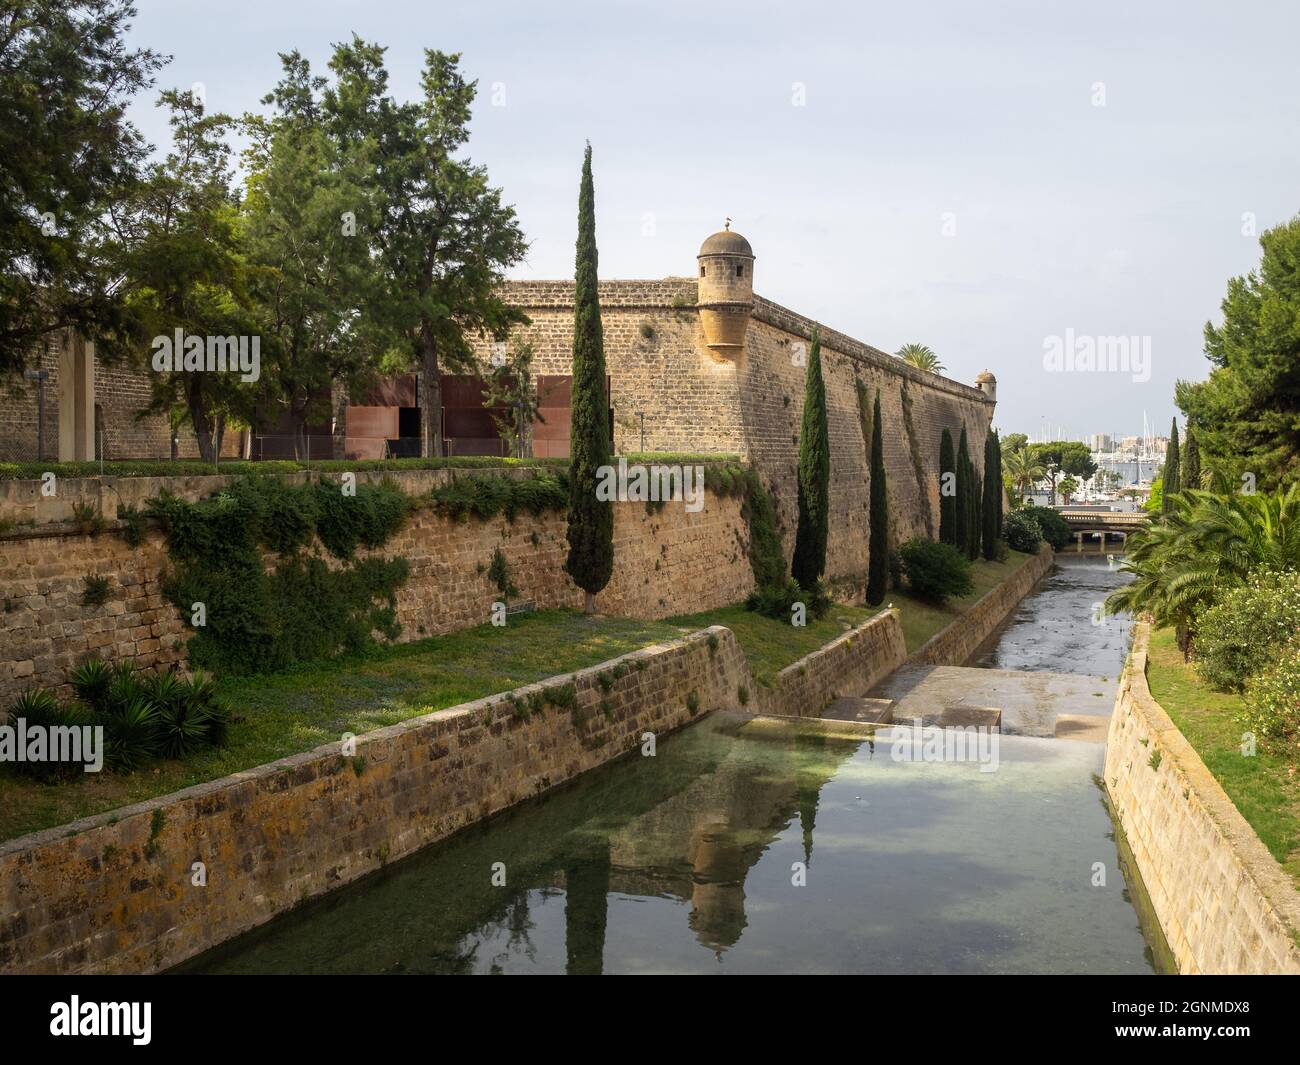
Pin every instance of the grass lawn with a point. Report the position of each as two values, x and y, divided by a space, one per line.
772 645
1265 788
286 713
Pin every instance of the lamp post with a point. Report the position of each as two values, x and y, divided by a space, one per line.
40 377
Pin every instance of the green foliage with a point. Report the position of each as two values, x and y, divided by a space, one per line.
947 498
809 562
991 511
878 547
935 572
1022 532
778 600
1061 457
486 497
68 156
1207 544
1271 707
1170 485
260 621
920 356
94 590
742 694
134 525
142 716
87 519
1245 413
1054 528
962 523
1022 468
1242 631
591 520
1189 472
1155 503
499 574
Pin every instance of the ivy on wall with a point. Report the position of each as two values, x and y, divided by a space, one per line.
248 619
918 465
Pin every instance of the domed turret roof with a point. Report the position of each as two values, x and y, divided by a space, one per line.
984 375
726 242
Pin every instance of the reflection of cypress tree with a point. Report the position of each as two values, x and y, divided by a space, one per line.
586 909
809 777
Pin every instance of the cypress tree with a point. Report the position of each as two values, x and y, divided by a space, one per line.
962 530
878 559
1170 485
1001 485
992 501
976 512
591 520
809 561
947 500
1189 469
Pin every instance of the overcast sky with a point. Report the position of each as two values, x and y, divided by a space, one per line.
844 139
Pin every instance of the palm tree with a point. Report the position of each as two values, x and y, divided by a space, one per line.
1022 470
1206 544
921 357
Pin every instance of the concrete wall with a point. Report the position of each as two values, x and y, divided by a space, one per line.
954 644
1223 901
667 562
115 893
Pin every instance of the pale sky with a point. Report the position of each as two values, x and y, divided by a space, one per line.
1122 219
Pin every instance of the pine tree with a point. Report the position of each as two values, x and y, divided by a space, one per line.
1170 482
809 561
962 531
1189 468
878 559
947 500
591 520
992 500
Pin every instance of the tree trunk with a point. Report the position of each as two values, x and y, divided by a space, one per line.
589 607
430 401
199 418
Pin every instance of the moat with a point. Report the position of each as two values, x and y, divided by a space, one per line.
762 846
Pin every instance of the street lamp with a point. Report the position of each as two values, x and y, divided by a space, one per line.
40 377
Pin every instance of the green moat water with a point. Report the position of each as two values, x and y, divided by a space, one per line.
685 863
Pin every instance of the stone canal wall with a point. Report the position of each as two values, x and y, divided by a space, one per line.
953 645
117 893
849 665
1224 903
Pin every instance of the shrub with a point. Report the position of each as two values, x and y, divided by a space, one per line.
1022 532
1055 529
499 574
935 572
134 525
1240 634
778 600
94 590
1272 700
87 519
39 707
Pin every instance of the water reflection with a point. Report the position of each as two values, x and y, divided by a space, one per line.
686 862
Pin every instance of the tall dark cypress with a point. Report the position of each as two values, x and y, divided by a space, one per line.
591 520
1000 483
962 531
1170 484
878 559
1189 467
992 500
947 491
809 561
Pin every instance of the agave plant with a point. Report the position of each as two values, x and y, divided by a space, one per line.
91 681
921 357
39 707
131 734
182 727
1206 544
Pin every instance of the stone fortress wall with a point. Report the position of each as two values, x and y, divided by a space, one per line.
749 401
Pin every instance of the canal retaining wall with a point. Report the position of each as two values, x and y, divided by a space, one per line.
1224 903
954 645
145 887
